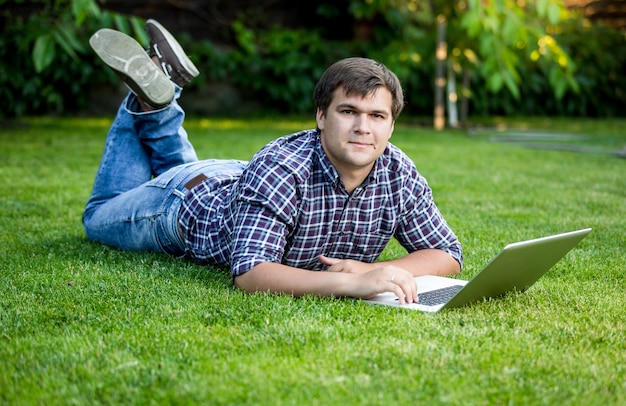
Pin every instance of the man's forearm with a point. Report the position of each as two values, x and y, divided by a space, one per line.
427 262
282 279
277 278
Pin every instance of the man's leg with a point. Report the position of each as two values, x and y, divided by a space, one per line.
138 147
123 210
145 218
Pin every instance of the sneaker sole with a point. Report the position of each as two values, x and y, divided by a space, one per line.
182 57
129 60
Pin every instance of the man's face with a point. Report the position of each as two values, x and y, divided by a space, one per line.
355 131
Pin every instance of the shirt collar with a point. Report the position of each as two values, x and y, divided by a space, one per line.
331 173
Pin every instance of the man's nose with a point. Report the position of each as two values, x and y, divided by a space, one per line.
362 123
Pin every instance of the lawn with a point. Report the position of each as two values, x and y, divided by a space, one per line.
85 324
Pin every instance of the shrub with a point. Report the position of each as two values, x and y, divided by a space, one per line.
46 65
600 55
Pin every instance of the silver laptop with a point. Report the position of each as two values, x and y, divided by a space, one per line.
515 268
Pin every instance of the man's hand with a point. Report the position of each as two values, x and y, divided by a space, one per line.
377 278
346 265
423 262
387 278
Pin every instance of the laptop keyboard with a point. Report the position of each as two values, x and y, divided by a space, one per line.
438 296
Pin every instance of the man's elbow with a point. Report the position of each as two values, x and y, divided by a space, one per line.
257 279
455 270
451 268
245 282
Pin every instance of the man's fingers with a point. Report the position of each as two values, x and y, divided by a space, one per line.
333 264
328 261
406 290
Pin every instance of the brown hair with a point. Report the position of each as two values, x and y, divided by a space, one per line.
359 76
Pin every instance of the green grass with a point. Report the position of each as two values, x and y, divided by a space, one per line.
85 324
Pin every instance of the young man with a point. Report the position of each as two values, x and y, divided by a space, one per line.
328 199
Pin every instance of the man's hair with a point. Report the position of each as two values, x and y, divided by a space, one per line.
360 76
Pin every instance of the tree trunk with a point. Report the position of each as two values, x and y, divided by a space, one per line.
440 79
453 115
465 96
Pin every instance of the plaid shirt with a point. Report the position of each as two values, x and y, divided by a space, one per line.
289 206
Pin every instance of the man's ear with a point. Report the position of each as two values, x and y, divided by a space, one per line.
319 118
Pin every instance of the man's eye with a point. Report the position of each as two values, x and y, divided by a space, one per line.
347 111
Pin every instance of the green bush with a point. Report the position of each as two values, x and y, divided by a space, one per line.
46 65
282 65
26 91
600 55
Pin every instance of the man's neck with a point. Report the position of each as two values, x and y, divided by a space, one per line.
352 182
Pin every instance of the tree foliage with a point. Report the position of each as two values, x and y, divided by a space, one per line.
500 28
47 65
492 39
523 57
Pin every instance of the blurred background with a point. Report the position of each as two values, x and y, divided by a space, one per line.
457 60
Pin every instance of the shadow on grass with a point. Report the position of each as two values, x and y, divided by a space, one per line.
78 251
552 140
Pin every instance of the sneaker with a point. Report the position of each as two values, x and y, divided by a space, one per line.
133 65
174 62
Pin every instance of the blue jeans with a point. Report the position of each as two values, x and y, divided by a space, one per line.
139 185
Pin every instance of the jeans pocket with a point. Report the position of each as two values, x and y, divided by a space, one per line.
174 175
163 180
